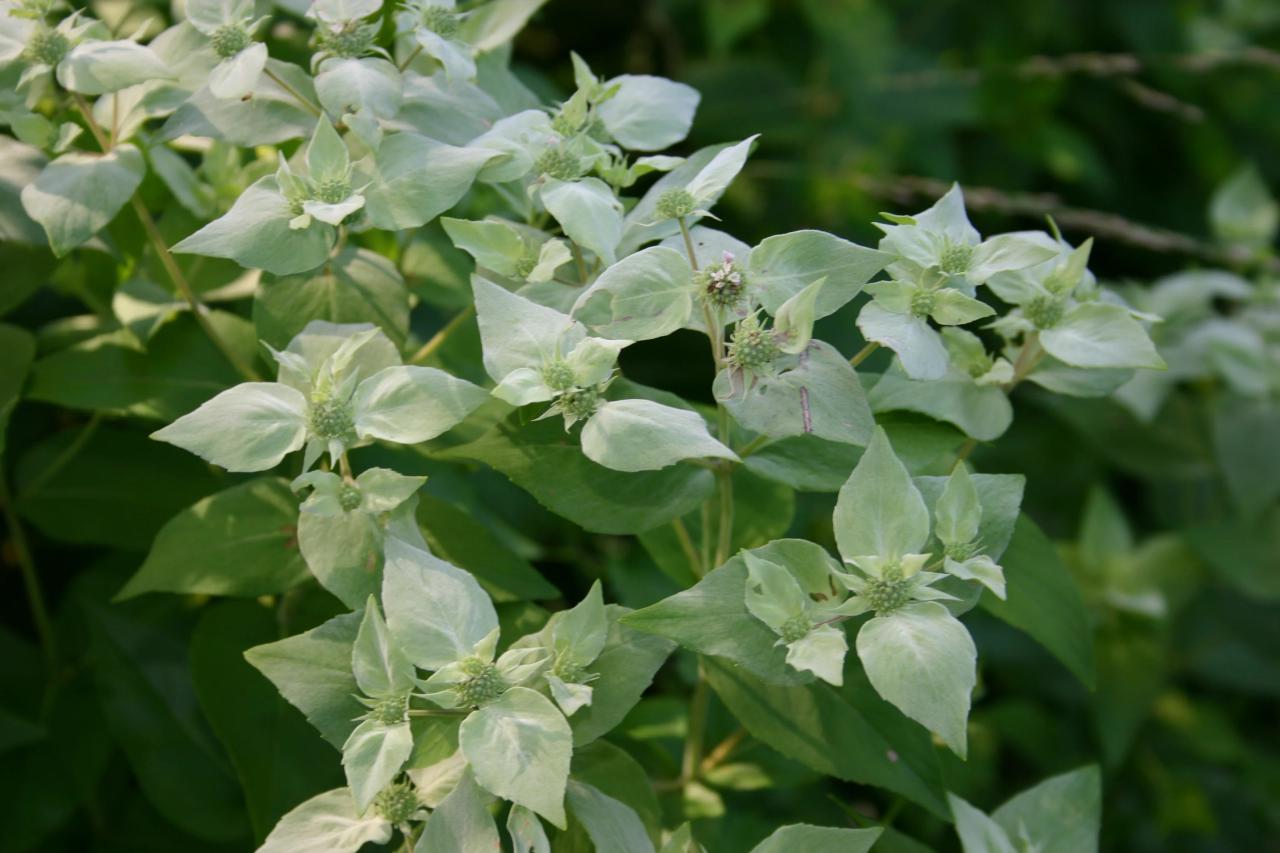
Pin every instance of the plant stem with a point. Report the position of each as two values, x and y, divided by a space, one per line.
77 444
1028 358
752 446
310 105
688 243
583 275
697 731
410 58
344 465
723 750
861 355
166 257
30 578
437 340
966 449
686 545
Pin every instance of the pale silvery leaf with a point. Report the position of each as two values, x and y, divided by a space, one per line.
592 360
249 427
916 344
461 822
978 833
641 435
612 825
327 155
491 25
380 666
1004 252
517 332
271 116
980 411
879 510
327 823
207 15
821 652
579 634
343 10
648 113
414 179
454 55
435 781
1243 211
953 308
804 837
714 178
553 255
1060 815
355 350
408 404
437 611
773 594
569 696
494 243
523 386
814 393
237 76
99 67
921 240
333 214
1100 334
382 490
958 512
588 212
526 831
350 85
784 264
79 193
255 233
372 757
922 659
980 568
793 321
519 748
645 295
513 143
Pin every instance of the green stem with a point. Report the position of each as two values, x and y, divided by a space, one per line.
30 579
688 243
161 248
1027 360
752 446
724 480
687 546
410 58
966 449
310 105
862 354
583 275
697 731
437 340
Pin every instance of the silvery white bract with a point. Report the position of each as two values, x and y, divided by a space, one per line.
538 355
1061 813
703 189
434 28
285 224
230 27
79 52
510 250
338 386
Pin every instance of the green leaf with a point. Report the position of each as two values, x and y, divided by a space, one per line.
250 427
1005 252
313 671
818 839
273 115
880 511
415 179
99 67
1243 210
357 286
327 823
1246 442
613 826
79 193
408 404
461 822
1000 498
178 369
643 296
278 757
459 538
19 348
241 541
519 748
1060 815
518 332
815 393
437 611
146 693
714 178
588 212
648 113
549 464
83 502
784 264
981 411
978 833
344 552
712 618
918 347
612 771
1044 600
349 85
922 659
641 435
846 732
1099 334
373 755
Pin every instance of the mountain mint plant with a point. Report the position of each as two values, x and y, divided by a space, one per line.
457 704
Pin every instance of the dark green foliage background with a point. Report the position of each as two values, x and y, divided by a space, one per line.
156 734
